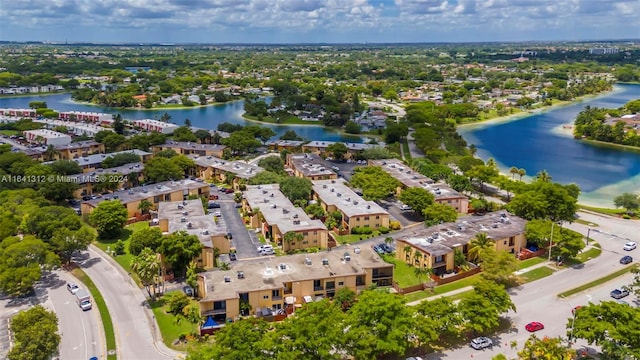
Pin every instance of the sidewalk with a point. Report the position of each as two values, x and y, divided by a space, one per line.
469 288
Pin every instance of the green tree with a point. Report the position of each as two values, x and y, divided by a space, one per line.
161 169
118 124
176 301
438 213
145 238
109 218
418 198
296 188
315 211
345 298
65 167
65 242
395 132
337 150
376 184
440 316
147 266
479 244
179 249
545 200
241 142
144 206
22 262
290 135
35 334
203 136
628 201
192 275
351 127
44 221
546 348
266 177
372 332
252 331
184 133
498 266
273 164
482 308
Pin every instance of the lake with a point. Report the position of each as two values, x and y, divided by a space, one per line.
538 142
207 117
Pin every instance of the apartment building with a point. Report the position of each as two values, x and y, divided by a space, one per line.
151 125
191 148
283 283
130 175
155 194
434 247
310 166
46 137
353 149
90 163
75 128
88 117
280 145
79 149
335 195
189 216
409 178
218 170
275 216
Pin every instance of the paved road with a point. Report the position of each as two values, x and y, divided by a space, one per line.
413 149
81 331
538 301
135 329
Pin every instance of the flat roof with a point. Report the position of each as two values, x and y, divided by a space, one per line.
148 191
92 177
336 192
192 145
240 168
274 272
189 216
441 239
411 178
155 122
350 146
95 159
47 134
278 210
285 143
78 145
310 164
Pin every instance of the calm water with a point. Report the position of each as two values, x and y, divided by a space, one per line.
204 117
539 142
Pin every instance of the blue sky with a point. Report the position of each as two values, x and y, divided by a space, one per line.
317 21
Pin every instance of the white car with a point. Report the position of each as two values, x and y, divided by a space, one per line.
217 214
405 207
268 251
73 288
480 343
265 247
629 246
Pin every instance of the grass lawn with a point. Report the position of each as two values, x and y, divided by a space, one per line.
10 132
468 281
594 252
102 308
405 149
530 262
588 223
292 120
606 211
536 274
351 238
125 259
167 324
597 282
402 272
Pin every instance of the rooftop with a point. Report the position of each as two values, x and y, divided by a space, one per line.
47 134
149 191
441 239
240 168
310 164
273 273
350 146
336 192
285 143
126 169
189 216
192 145
95 159
278 210
154 122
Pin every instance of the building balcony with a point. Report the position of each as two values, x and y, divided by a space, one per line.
318 288
214 312
276 298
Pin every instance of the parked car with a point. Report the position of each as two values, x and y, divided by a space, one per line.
534 326
378 249
233 256
238 205
229 236
626 260
73 288
265 247
188 290
386 248
405 207
480 343
217 214
229 191
414 358
619 293
629 246
86 198
266 252
213 205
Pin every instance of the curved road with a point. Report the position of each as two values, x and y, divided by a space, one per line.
538 301
135 329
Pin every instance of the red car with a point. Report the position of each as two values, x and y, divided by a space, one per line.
534 326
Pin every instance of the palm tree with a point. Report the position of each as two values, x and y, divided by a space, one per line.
543 176
479 244
51 152
491 162
417 256
144 206
419 272
291 237
513 171
147 266
473 149
521 173
407 252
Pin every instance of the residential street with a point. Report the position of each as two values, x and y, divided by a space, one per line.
538 301
136 333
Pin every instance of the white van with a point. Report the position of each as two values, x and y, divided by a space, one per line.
83 299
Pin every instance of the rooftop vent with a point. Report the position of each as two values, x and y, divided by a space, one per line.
295 216
240 275
268 272
205 232
356 250
495 225
189 225
180 206
347 257
332 189
333 181
271 195
324 186
130 192
283 266
227 279
274 206
368 206
184 202
185 213
307 261
264 191
158 186
183 219
325 261
285 211
266 200
296 222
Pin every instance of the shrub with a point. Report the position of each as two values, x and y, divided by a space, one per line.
626 216
118 248
394 225
384 230
362 230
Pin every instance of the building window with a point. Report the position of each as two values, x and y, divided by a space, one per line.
377 217
305 233
340 283
439 259
315 233
366 218
360 280
275 293
266 297
512 241
504 242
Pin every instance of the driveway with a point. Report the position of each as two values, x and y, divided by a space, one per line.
538 301
413 149
137 336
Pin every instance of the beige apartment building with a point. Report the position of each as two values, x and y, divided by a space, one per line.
218 170
191 148
335 195
287 282
275 216
310 166
409 178
434 247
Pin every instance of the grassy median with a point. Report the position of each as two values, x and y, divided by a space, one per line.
98 300
597 282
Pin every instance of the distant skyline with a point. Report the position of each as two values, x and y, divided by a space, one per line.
317 21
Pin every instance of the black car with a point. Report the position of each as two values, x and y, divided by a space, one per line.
386 248
229 236
233 256
188 290
626 260
213 205
86 198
